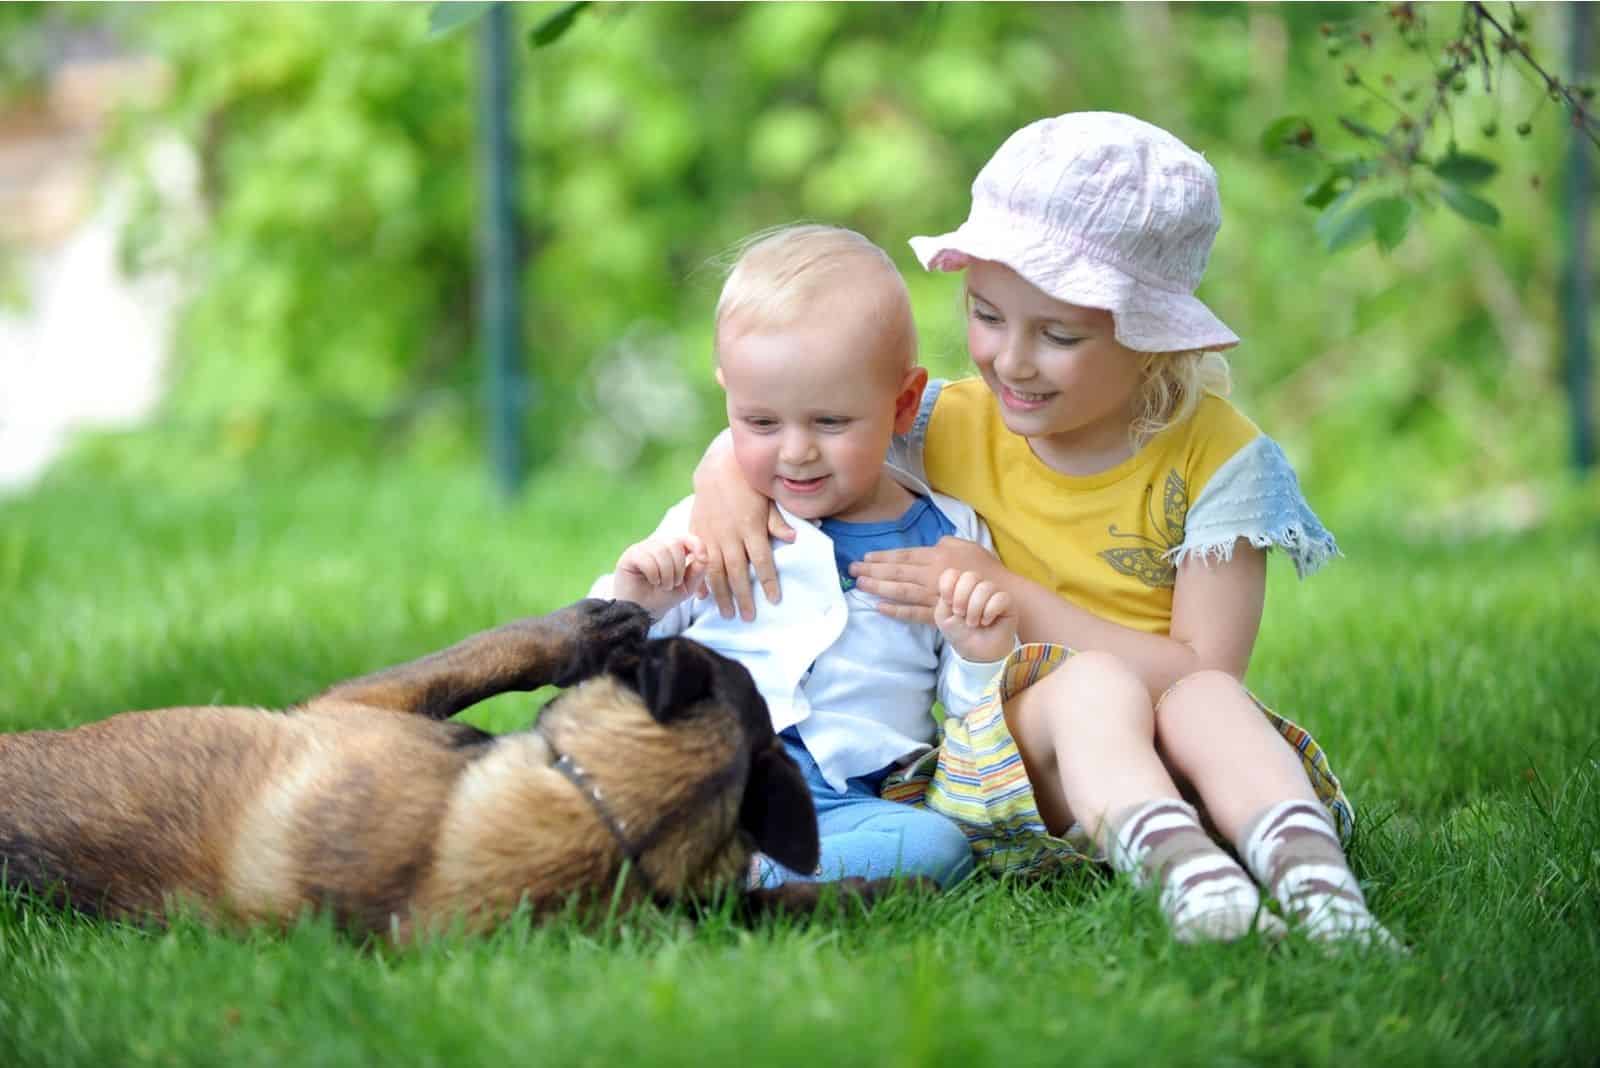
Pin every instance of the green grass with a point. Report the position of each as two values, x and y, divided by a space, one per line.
1455 686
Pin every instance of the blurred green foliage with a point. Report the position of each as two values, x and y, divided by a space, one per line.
333 288
22 54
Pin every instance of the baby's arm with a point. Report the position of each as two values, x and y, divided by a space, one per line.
737 526
975 616
657 574
980 631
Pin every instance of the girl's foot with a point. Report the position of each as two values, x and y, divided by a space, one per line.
1293 849
1205 895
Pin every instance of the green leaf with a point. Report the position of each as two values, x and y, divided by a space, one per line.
1361 129
552 28
1465 169
445 18
1289 132
1343 177
1341 229
1469 206
1323 193
1391 216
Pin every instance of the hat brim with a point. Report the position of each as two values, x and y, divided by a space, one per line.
1146 318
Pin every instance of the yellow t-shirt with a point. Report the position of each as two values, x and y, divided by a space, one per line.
1101 540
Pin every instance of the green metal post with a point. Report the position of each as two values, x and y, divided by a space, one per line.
505 384
1576 280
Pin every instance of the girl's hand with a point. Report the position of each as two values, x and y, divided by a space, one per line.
658 573
908 579
975 616
736 525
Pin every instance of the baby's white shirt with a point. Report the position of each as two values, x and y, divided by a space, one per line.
857 685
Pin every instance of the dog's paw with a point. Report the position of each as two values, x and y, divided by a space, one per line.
594 630
614 624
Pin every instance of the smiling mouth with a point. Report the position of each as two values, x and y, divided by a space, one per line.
1022 398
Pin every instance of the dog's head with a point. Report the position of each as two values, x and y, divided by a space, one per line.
679 679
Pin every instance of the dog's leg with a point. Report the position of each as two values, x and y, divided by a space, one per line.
559 649
804 898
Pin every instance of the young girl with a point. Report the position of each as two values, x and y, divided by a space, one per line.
1131 507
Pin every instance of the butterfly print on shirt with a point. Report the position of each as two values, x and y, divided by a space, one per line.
1147 561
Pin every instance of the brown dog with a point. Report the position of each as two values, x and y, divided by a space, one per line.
660 762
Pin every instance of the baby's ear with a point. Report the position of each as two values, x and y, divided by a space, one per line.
720 383
909 399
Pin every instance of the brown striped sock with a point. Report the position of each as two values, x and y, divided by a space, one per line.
1205 895
1293 849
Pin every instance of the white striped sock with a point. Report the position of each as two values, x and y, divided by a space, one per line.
1205 895
1293 849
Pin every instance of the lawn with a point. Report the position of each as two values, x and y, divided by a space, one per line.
1456 686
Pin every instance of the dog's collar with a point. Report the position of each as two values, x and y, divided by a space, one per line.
634 848
574 773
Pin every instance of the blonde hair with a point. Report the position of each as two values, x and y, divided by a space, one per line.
1171 386
780 274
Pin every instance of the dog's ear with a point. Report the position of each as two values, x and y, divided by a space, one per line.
670 675
778 812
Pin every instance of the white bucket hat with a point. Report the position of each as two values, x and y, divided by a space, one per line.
1102 210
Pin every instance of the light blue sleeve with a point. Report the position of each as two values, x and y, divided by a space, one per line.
1256 496
905 451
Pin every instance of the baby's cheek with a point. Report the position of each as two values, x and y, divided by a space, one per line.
754 461
865 459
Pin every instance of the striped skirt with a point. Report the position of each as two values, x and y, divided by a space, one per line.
976 778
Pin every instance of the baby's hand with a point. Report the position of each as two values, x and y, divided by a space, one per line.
908 579
975 616
658 573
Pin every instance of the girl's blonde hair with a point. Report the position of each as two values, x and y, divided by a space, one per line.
1171 386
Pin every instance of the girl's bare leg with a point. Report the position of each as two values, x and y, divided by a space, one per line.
1087 737
1211 733
1255 791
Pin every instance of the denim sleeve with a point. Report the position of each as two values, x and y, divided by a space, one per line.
1256 496
905 451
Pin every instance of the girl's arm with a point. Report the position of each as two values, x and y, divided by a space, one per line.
1216 608
736 526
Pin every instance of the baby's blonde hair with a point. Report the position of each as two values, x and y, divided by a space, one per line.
780 275
1171 386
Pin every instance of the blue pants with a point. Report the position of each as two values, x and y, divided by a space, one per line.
864 835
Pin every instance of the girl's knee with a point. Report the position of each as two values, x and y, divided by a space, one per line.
1203 693
1090 694
1098 679
1199 710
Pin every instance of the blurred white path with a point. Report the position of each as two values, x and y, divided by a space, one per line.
88 346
